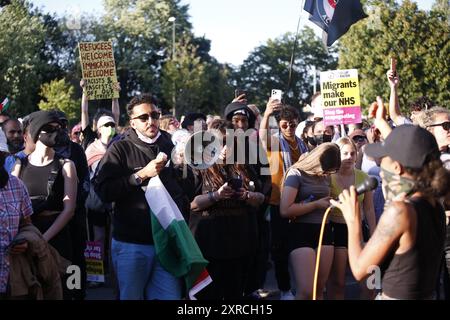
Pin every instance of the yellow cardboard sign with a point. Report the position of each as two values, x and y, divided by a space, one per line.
99 69
340 96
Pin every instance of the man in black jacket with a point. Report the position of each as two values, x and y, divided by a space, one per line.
125 171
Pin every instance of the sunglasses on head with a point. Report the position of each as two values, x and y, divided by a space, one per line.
290 124
110 124
445 125
146 116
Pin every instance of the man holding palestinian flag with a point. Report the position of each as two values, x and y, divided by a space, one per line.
152 249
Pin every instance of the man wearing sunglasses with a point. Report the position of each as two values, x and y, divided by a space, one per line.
124 172
437 121
283 148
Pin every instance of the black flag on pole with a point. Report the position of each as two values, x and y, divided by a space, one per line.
334 17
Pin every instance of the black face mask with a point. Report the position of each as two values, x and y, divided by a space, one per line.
312 141
321 138
55 139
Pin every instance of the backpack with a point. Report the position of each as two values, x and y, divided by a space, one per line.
93 201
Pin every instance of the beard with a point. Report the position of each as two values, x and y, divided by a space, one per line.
15 147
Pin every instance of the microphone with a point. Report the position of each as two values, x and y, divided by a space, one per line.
368 185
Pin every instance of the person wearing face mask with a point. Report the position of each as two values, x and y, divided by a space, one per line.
321 133
409 239
51 182
224 222
95 151
125 171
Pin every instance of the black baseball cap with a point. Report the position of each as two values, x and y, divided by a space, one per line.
408 144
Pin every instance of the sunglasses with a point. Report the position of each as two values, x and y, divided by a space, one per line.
291 125
359 138
146 116
110 124
77 133
445 125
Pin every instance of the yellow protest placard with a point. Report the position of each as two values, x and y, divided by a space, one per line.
340 97
98 69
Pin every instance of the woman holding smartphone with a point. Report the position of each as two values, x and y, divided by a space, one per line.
223 221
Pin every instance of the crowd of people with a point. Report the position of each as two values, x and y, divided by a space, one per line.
261 203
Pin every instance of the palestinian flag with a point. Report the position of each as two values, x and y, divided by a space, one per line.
175 245
5 104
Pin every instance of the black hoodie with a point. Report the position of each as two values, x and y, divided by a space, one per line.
115 183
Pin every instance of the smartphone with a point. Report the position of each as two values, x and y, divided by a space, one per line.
394 65
239 92
276 94
235 183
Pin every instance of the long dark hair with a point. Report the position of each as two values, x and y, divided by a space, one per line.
4 176
433 180
216 175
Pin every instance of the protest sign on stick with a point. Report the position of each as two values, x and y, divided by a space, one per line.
340 97
98 69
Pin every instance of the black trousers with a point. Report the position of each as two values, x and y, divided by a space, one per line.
229 278
280 248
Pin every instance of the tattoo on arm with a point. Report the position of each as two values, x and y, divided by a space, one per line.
389 224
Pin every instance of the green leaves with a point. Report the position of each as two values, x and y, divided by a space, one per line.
418 39
58 95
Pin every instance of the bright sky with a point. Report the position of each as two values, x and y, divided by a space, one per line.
235 27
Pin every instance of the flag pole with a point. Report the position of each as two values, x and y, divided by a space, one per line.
294 46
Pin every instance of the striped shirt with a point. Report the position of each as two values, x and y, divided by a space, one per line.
15 205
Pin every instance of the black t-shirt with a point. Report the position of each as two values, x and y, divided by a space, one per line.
89 136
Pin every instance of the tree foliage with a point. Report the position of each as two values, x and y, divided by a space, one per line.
59 95
21 40
418 39
267 67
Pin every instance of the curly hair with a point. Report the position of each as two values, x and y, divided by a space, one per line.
287 113
428 117
432 179
145 98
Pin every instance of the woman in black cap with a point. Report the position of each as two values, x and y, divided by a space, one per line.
407 245
51 182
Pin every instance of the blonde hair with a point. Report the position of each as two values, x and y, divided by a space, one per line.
346 141
323 158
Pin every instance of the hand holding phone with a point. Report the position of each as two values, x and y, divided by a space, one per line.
276 94
394 65
235 183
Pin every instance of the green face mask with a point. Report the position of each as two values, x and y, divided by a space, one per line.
395 185
107 132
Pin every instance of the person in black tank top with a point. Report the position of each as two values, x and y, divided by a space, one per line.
51 182
408 242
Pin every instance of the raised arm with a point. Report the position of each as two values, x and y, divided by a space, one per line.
264 130
84 106
394 107
392 225
115 105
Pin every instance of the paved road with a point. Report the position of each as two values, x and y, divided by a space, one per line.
106 292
